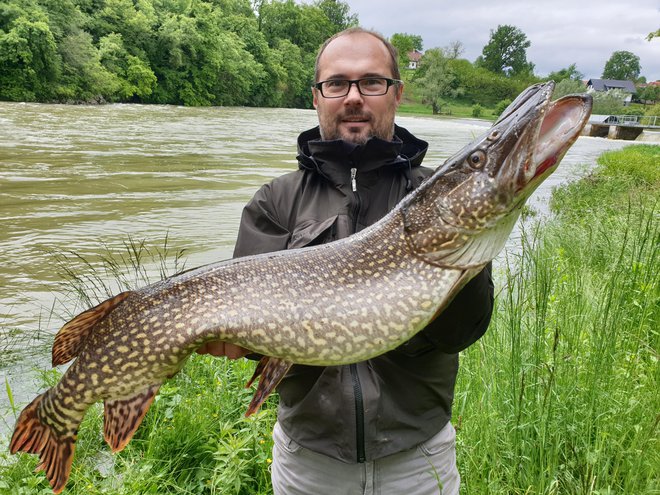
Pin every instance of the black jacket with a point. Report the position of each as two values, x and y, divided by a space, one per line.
393 402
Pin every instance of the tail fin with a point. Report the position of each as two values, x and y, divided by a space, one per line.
55 453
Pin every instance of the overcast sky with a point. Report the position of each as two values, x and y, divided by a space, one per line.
561 32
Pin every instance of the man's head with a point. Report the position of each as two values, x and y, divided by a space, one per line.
350 55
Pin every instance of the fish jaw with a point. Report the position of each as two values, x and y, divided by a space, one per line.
466 210
564 120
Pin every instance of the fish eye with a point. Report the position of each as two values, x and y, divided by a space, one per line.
477 159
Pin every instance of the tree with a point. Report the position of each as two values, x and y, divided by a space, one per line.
622 65
338 13
568 87
608 102
29 63
482 86
454 49
133 76
649 94
654 34
435 80
404 44
569 72
506 52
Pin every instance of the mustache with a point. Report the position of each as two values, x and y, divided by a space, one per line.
355 114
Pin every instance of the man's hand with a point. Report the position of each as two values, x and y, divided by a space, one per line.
220 348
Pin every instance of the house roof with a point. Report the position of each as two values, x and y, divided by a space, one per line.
415 55
607 84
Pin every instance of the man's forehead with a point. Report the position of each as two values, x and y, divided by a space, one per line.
355 52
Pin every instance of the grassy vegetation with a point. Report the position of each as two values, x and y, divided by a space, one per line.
411 104
559 397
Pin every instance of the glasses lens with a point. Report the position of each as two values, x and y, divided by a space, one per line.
337 87
370 86
373 87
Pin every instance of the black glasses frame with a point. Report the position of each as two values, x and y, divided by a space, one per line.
388 81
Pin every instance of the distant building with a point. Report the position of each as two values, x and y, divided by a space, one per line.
627 87
413 59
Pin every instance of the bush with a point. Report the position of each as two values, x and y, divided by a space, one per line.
477 110
654 110
501 106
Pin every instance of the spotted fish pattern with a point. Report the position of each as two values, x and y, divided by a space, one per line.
333 304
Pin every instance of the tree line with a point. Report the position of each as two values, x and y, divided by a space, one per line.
189 52
237 52
502 71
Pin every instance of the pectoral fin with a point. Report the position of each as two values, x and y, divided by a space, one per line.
272 370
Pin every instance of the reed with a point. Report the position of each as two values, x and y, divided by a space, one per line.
561 395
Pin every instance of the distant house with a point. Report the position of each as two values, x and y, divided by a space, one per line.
627 87
413 59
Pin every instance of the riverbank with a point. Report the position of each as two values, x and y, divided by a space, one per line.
560 396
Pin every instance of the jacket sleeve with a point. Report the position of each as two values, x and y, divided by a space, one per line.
466 318
260 230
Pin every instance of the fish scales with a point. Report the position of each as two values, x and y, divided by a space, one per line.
333 304
335 312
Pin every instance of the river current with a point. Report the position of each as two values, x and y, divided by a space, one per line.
87 180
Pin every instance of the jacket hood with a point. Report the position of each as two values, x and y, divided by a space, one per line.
332 159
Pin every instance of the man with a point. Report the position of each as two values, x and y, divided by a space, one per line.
379 426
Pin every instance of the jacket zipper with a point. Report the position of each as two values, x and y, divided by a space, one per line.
359 414
358 200
357 387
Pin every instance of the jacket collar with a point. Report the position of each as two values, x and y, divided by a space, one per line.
333 159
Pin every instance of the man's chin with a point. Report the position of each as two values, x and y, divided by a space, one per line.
355 138
356 135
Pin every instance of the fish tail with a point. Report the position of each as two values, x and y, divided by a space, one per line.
34 437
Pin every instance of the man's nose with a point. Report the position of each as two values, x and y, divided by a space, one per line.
354 96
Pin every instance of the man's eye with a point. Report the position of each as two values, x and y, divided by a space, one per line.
370 83
335 84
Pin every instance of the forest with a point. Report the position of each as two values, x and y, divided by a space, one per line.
187 52
257 53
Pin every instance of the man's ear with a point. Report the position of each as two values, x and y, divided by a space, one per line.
315 97
399 94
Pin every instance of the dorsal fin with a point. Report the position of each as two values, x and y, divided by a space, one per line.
72 335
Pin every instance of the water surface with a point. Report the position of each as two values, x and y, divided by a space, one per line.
84 179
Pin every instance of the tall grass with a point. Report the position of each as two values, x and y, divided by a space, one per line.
562 394
559 397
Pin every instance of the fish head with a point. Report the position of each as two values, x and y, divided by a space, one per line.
463 214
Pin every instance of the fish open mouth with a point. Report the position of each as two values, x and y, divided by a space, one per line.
561 126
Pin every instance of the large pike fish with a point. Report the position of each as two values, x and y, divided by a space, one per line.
333 304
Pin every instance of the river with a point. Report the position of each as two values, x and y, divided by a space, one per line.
85 179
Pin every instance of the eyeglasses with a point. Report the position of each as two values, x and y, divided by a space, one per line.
367 86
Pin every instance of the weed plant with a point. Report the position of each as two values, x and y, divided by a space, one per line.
559 397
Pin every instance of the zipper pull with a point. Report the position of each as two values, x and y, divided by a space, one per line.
353 180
